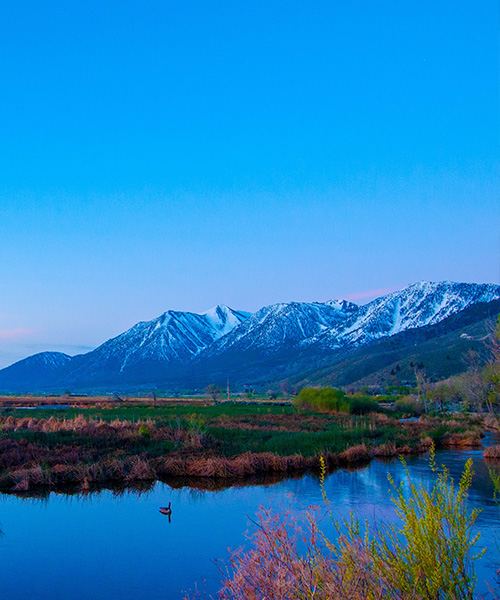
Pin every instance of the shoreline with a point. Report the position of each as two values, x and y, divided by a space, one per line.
224 444
210 473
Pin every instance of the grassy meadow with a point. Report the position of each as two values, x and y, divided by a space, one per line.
104 442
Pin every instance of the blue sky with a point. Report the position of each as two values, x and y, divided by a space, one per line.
182 154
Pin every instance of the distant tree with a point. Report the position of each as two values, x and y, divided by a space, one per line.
473 387
213 391
491 373
422 385
439 394
285 387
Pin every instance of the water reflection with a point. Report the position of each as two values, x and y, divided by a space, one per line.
115 543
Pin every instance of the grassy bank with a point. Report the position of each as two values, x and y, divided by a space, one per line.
133 443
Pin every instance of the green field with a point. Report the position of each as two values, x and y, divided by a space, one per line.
92 446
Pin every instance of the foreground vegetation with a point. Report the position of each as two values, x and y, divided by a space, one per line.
228 441
429 556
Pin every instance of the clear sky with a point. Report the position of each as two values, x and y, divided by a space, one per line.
176 155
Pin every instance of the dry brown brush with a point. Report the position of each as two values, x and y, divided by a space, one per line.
492 452
429 557
85 451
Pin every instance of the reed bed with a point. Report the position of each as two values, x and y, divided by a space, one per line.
129 445
493 453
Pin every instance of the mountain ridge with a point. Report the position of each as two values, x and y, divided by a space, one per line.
183 349
439 349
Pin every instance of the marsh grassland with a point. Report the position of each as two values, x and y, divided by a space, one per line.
127 443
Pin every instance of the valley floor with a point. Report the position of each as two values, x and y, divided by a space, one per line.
103 442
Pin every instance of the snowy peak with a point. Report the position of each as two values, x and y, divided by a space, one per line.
420 304
283 325
338 324
224 319
28 373
48 360
343 306
173 338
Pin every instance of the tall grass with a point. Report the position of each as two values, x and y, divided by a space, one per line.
90 448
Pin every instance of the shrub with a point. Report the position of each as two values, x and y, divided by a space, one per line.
410 406
428 557
362 405
144 431
492 452
321 399
331 400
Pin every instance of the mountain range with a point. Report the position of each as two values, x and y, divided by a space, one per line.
186 351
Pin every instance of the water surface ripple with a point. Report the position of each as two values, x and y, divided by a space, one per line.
107 545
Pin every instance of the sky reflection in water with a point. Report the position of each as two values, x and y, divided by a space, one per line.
108 545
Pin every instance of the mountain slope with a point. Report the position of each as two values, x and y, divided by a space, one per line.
440 350
31 372
151 350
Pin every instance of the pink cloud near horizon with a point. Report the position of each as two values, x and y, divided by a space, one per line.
370 293
12 334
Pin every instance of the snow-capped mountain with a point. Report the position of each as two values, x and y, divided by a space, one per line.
32 371
182 349
173 338
417 305
281 326
329 326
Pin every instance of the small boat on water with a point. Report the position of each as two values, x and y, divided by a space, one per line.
166 510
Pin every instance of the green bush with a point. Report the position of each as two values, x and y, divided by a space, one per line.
329 399
363 405
431 555
409 406
144 431
325 399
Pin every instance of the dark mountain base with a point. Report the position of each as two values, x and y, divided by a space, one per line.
438 351
308 344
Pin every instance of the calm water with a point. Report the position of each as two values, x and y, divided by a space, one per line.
110 546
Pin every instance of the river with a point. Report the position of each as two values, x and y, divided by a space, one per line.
110 545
